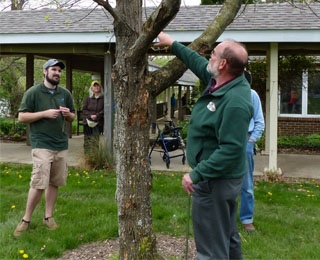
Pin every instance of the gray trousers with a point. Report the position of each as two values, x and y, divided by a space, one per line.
214 215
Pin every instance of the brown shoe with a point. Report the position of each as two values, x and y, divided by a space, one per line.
50 223
249 227
22 227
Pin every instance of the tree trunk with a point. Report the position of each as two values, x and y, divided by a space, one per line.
132 124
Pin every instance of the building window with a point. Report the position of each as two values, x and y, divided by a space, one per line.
302 98
313 107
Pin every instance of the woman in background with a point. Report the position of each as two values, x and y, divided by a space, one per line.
93 113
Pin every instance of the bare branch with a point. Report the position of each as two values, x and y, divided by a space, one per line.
310 8
9 63
108 7
154 24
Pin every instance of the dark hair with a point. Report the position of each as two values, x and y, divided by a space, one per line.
236 64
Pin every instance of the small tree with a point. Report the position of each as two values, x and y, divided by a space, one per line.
12 82
80 87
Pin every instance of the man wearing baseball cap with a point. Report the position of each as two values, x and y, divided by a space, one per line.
52 63
46 108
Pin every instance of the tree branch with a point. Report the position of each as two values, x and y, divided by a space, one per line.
106 5
175 68
9 62
154 24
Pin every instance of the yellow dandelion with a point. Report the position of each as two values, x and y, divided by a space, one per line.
21 251
13 206
25 256
269 193
20 177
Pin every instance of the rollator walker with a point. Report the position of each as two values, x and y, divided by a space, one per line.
168 140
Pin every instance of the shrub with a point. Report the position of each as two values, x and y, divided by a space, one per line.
184 131
96 156
12 127
300 141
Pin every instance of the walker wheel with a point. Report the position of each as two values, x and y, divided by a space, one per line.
164 157
183 160
168 163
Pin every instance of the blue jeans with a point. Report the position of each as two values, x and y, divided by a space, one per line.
247 194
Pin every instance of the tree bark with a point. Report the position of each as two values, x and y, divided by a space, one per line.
132 124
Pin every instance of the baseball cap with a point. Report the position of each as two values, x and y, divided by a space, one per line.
53 62
95 82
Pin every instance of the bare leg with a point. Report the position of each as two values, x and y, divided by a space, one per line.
51 197
34 197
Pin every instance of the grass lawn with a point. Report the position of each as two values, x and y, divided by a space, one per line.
287 216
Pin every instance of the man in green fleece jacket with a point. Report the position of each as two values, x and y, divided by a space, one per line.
216 145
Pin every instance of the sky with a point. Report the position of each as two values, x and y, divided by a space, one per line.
89 3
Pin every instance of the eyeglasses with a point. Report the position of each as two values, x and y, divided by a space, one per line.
220 57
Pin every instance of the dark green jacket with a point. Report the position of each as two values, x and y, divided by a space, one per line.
218 128
47 133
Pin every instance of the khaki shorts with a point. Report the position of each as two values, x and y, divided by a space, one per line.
49 167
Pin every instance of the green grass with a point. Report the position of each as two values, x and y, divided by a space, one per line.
286 217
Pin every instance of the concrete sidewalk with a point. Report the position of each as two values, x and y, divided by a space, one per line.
292 165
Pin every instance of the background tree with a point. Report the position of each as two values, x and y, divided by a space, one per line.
18 4
12 82
81 82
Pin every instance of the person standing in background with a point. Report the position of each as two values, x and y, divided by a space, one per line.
93 114
256 128
46 108
173 104
292 105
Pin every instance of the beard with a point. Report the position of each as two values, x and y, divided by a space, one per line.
213 69
52 81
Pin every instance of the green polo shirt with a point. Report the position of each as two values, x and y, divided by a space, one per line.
47 133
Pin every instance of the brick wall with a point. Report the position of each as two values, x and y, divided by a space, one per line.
296 126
